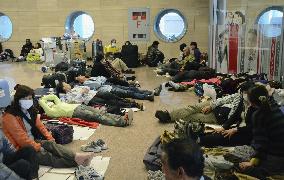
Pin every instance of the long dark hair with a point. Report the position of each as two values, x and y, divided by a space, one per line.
258 96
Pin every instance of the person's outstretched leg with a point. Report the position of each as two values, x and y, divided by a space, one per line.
22 168
98 115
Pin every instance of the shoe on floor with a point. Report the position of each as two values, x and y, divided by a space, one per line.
91 147
163 116
87 173
140 106
102 144
150 97
129 117
158 90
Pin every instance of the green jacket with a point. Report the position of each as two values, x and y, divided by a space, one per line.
58 108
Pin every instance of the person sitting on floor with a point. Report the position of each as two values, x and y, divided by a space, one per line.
26 48
22 127
16 165
112 48
154 55
232 136
36 54
196 51
101 84
182 160
268 136
83 95
118 64
225 111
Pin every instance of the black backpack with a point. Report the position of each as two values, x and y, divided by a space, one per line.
63 66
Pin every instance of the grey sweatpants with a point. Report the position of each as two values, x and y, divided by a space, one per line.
193 113
91 114
55 155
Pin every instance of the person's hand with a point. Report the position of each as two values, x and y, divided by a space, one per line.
245 165
229 132
206 109
85 91
219 130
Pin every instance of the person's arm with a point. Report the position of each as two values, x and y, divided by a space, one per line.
225 100
234 113
43 129
44 100
12 128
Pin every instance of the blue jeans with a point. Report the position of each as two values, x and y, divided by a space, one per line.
130 92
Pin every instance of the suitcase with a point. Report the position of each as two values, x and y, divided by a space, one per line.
130 55
5 97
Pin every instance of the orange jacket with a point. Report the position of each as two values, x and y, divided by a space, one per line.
15 130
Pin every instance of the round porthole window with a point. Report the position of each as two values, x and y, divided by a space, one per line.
170 25
6 27
80 24
270 21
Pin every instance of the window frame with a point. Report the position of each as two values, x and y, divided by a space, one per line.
3 14
277 8
69 23
157 30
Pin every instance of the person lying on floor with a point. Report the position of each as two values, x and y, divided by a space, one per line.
22 127
55 108
16 165
83 95
100 84
225 111
268 136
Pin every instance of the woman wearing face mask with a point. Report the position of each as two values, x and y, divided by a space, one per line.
22 127
112 48
268 136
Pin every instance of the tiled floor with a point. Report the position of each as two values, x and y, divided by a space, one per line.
127 146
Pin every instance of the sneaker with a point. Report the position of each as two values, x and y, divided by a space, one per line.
194 130
158 90
150 97
91 147
102 144
163 116
131 78
87 173
140 106
129 117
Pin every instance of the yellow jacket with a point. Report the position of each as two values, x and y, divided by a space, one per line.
110 49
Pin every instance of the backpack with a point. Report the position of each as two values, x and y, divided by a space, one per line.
62 133
49 80
152 158
62 66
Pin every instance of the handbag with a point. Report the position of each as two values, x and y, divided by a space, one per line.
62 133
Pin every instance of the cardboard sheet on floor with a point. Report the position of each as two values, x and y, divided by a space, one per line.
42 170
99 163
82 133
49 176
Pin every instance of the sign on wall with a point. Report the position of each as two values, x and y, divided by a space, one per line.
138 24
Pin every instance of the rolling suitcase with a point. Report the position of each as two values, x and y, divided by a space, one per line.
5 98
130 55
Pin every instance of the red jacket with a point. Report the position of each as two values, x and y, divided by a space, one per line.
15 130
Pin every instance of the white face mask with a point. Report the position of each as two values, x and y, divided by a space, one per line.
26 104
113 44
